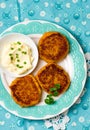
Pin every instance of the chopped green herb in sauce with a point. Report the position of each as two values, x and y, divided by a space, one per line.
25 62
19 66
18 60
10 54
19 49
12 48
11 58
17 55
19 43
24 52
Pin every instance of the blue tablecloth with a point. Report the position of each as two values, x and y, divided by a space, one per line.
74 15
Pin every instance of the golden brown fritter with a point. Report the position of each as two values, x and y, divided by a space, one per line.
25 91
53 47
52 74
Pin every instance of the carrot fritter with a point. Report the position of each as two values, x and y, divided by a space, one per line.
52 74
53 47
25 91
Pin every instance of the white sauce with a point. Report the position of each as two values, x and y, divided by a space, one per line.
17 57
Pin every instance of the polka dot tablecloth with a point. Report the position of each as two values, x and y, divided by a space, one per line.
73 15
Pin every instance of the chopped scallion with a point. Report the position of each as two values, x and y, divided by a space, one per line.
12 48
53 89
55 93
18 60
19 43
17 55
57 86
25 62
20 66
24 52
11 58
19 49
10 54
17 65
49 101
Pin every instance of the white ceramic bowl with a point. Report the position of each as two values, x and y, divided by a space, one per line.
15 37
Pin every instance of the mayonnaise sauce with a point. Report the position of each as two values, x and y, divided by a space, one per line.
17 57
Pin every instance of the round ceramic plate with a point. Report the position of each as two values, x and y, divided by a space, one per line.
74 64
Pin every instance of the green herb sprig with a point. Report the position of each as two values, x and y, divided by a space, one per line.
49 100
54 90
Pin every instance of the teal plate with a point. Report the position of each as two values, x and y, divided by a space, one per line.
77 69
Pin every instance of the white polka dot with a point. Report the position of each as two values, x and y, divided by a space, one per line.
73 28
7 115
42 13
81 119
1 24
73 124
46 4
31 128
88 16
57 19
3 5
2 122
16 18
68 5
20 1
84 22
74 1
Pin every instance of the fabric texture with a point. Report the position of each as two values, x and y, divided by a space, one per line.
73 15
